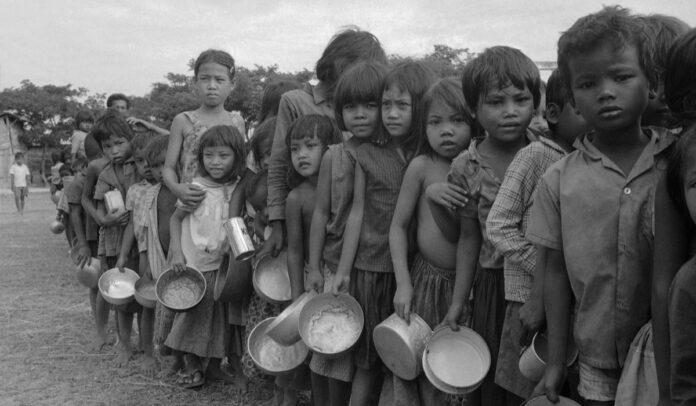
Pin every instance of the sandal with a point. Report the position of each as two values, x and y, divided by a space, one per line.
195 379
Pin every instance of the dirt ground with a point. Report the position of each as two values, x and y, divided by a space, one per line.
47 355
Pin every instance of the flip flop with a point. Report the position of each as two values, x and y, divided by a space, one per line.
190 382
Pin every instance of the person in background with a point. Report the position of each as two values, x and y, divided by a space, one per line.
84 120
20 179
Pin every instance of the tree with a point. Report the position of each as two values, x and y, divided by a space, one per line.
444 60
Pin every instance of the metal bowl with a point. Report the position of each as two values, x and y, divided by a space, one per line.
271 280
233 281
271 357
57 227
88 275
331 324
456 362
400 345
180 291
145 293
532 362
118 287
285 328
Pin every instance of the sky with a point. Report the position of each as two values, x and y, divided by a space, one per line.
127 45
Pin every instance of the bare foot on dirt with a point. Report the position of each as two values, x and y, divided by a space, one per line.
149 365
177 366
123 357
240 383
102 343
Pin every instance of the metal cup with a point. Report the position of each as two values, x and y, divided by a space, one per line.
238 236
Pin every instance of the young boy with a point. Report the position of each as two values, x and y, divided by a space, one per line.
502 86
20 178
138 201
507 224
113 134
593 209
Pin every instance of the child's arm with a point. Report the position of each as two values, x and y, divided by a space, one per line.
238 196
351 235
532 312
28 182
126 244
671 250
468 248
411 189
102 218
83 253
150 126
317 232
176 256
293 221
444 199
190 195
557 300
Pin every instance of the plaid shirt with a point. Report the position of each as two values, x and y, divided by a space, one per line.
507 220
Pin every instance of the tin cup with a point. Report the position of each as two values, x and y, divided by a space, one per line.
238 236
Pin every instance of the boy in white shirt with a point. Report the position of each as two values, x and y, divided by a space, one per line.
19 181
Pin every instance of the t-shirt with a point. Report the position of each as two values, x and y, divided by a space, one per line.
20 174
78 142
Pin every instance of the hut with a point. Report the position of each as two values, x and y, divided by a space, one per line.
11 128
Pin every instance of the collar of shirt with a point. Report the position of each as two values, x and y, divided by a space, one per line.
474 155
552 144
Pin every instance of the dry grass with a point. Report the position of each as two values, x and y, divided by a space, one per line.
46 330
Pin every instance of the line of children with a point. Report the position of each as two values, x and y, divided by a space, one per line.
435 196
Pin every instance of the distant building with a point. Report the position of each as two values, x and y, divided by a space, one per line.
11 127
545 68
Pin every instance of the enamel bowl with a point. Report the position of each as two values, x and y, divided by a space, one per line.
118 287
180 291
145 293
400 345
272 357
331 324
271 280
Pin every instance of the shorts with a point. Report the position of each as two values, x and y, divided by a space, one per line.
597 383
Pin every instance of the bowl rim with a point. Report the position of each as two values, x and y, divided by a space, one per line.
354 305
191 271
277 326
263 325
385 325
255 272
115 271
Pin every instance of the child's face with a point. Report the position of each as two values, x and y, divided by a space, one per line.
305 155
361 118
396 111
19 160
142 167
505 113
213 84
117 149
218 161
157 172
570 124
265 147
121 106
86 126
447 131
609 87
657 113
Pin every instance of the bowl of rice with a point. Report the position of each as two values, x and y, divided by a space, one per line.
180 291
118 287
272 357
331 324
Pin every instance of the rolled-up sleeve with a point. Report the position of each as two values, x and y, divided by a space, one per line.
544 226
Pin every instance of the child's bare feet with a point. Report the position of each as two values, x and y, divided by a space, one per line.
149 365
177 366
240 383
123 357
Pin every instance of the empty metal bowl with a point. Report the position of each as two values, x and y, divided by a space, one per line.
285 328
272 357
180 291
331 324
400 345
145 293
118 287
271 279
88 275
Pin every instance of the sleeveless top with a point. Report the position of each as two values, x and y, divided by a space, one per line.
188 159
342 178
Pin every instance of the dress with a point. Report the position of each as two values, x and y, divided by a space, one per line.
188 160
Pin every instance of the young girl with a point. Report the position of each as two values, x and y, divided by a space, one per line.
428 289
365 266
198 241
213 74
356 97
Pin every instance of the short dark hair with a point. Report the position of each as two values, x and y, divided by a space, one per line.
677 167
680 81
139 142
500 66
156 150
19 155
661 31
557 92
362 82
83 116
111 123
310 126
80 161
344 49
263 132
117 96
414 78
270 101
614 26
447 92
227 136
217 56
